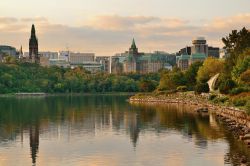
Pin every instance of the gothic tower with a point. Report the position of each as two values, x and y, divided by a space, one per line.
33 46
133 49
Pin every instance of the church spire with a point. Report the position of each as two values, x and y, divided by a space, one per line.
133 44
33 30
33 45
133 49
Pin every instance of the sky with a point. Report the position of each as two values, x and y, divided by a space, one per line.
106 27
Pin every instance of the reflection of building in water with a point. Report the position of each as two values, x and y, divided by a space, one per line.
131 121
34 142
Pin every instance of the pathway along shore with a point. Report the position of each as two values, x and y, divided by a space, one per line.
237 121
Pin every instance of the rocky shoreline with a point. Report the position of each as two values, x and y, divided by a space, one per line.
236 121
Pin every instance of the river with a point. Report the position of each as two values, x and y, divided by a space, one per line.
107 130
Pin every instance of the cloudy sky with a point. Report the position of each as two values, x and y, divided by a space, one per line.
107 27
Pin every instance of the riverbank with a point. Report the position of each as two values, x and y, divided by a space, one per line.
236 120
65 94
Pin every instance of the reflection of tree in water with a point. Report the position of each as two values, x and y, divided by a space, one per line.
34 142
104 112
237 150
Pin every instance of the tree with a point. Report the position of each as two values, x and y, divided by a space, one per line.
243 64
170 80
226 86
201 88
191 73
211 67
235 43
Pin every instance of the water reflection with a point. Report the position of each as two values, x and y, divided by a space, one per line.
99 124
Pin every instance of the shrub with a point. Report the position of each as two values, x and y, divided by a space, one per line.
212 96
226 86
181 88
201 88
241 99
239 102
248 107
239 90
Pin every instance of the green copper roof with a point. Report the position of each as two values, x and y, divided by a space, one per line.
198 56
183 57
133 44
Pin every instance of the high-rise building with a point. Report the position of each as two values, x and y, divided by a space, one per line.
214 52
33 46
199 46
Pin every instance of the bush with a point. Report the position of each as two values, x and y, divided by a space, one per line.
181 88
241 99
212 96
248 107
201 88
226 86
239 102
239 90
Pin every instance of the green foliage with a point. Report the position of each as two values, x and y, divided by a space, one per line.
226 86
210 68
181 88
170 80
191 74
212 96
245 77
242 65
235 43
239 90
241 100
201 88
27 77
248 106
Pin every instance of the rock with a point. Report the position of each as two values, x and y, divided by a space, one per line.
202 110
247 142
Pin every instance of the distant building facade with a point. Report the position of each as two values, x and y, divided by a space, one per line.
8 50
133 61
33 46
214 52
199 46
184 61
105 62
199 51
49 55
79 58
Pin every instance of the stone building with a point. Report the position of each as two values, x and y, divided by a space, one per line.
33 46
138 62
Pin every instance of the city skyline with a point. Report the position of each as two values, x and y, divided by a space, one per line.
108 27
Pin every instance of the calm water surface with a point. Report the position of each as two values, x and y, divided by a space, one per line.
107 130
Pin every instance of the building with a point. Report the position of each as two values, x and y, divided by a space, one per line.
59 62
33 46
105 62
117 63
199 51
49 55
44 61
214 52
80 58
90 66
8 50
64 55
199 46
184 51
184 61
133 61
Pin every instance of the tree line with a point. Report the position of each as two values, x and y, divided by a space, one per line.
27 77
